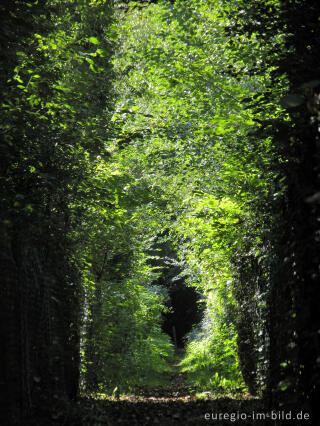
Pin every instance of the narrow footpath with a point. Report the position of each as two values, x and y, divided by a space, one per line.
173 404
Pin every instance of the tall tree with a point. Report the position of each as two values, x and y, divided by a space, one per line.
55 102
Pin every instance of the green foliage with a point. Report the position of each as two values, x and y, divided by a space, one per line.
167 121
197 99
211 358
122 342
127 348
55 104
61 185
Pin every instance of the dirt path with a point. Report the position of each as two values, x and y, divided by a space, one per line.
167 412
171 405
176 388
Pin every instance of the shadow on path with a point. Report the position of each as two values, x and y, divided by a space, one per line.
174 404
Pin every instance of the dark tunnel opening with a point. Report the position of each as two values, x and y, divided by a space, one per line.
184 313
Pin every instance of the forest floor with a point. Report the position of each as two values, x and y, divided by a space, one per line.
173 404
